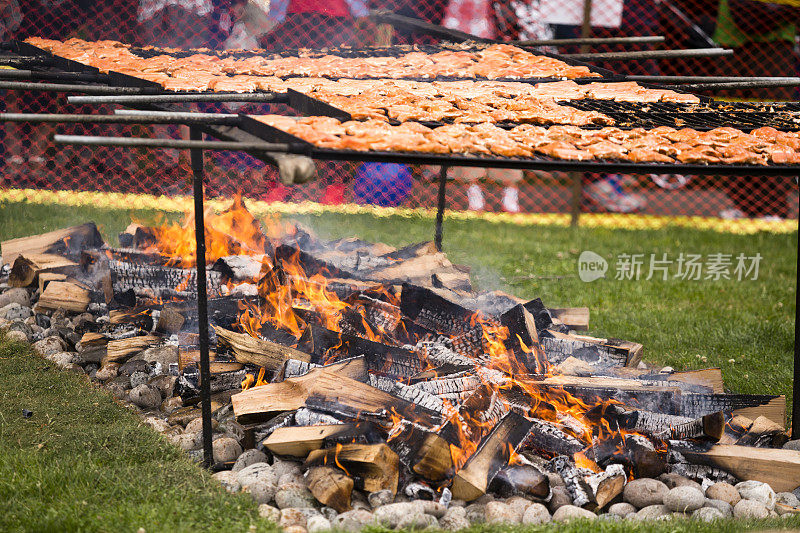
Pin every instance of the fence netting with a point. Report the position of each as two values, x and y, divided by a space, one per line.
763 35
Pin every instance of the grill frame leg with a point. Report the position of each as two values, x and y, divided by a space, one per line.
440 206
196 155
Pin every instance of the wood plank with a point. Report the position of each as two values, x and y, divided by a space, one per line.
300 441
28 266
774 409
64 295
576 318
248 349
65 242
777 467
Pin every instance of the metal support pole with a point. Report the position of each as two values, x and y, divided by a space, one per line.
202 298
586 27
577 196
796 380
437 238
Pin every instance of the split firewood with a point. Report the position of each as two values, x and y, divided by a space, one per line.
521 480
523 339
605 486
422 451
492 454
67 242
455 280
703 473
300 441
331 487
410 394
763 432
64 295
28 266
248 349
375 467
753 406
576 318
158 280
665 427
46 277
265 401
170 320
777 467
140 317
119 351
433 312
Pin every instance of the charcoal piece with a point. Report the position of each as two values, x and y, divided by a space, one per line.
541 316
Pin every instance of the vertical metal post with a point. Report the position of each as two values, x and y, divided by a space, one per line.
586 27
577 197
202 297
796 380
437 238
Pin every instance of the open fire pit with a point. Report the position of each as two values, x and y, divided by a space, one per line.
355 383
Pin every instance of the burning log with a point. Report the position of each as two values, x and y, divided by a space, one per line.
64 295
433 312
546 437
331 487
424 452
28 267
374 467
409 393
662 426
777 467
300 441
492 454
332 381
521 480
240 268
575 480
120 350
523 339
602 352
158 280
263 353
67 242
392 361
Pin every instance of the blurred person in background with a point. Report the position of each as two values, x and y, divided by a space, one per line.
315 23
762 35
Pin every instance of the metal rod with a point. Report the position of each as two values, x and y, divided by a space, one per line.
202 297
174 114
736 85
796 380
68 88
421 26
707 79
25 61
147 118
437 237
139 142
577 197
646 39
651 54
180 98
586 27
61 76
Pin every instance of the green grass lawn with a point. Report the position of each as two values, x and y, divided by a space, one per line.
86 463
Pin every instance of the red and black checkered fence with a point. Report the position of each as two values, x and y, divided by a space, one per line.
763 35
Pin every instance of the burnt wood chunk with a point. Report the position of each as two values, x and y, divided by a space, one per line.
28 267
548 438
520 480
575 480
331 487
159 280
422 451
374 466
763 432
523 339
600 352
248 349
492 454
67 242
64 295
434 312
